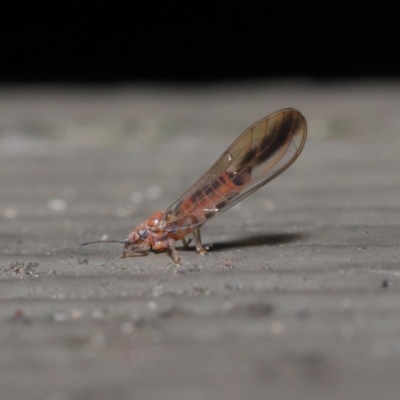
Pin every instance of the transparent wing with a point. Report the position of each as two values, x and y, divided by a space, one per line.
256 157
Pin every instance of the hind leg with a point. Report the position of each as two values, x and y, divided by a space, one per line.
186 243
197 240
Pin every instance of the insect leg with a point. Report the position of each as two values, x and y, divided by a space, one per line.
142 250
174 254
186 242
197 240
133 253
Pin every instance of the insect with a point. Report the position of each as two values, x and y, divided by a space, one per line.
257 156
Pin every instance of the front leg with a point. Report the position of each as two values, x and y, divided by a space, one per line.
133 253
141 250
174 254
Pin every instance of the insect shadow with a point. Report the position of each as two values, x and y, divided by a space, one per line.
269 239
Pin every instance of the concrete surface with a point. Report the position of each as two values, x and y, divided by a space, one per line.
299 297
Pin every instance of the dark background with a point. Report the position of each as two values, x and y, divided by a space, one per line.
198 42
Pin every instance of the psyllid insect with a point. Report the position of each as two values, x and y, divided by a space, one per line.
257 156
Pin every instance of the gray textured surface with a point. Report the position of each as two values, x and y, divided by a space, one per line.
298 299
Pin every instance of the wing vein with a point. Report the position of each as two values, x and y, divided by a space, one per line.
257 156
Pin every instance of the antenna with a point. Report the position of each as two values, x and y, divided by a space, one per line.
102 241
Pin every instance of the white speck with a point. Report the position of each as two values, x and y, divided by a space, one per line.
59 317
57 204
152 305
269 205
277 328
137 197
153 192
227 306
122 212
210 209
10 213
229 157
96 314
104 237
127 327
158 290
76 313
